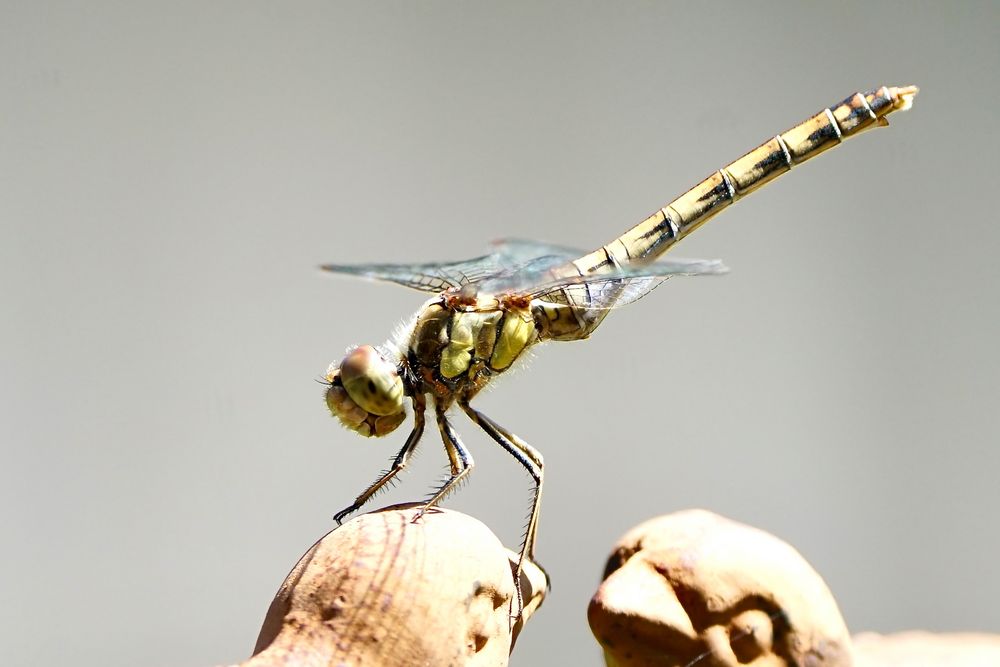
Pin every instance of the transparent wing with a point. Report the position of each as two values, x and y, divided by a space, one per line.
525 267
508 259
427 277
612 290
515 252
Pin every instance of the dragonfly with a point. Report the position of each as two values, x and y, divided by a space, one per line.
486 312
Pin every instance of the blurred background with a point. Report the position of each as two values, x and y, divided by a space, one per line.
171 174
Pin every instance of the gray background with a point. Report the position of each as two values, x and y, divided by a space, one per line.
171 174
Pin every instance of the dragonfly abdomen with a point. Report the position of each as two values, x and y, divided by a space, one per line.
828 128
571 316
460 342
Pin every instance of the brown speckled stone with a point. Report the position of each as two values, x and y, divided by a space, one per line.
696 588
383 591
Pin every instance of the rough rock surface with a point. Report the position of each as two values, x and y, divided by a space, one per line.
693 587
381 590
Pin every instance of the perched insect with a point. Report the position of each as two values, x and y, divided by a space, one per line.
488 310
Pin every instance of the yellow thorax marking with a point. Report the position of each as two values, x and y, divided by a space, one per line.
518 326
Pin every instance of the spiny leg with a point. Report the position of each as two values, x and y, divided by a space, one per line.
402 458
455 463
527 456
461 461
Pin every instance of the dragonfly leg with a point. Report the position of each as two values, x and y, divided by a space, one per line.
527 456
458 455
398 464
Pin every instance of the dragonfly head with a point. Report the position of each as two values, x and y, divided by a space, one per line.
366 392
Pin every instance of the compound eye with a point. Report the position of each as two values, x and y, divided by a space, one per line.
372 382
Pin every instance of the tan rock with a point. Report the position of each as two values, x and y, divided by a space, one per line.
384 591
694 588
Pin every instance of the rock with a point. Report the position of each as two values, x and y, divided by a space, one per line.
693 586
384 591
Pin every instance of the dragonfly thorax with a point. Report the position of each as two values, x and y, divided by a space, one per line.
457 347
366 392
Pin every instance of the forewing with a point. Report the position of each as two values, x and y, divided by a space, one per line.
427 277
520 266
512 263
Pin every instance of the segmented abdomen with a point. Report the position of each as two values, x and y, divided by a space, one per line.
659 232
